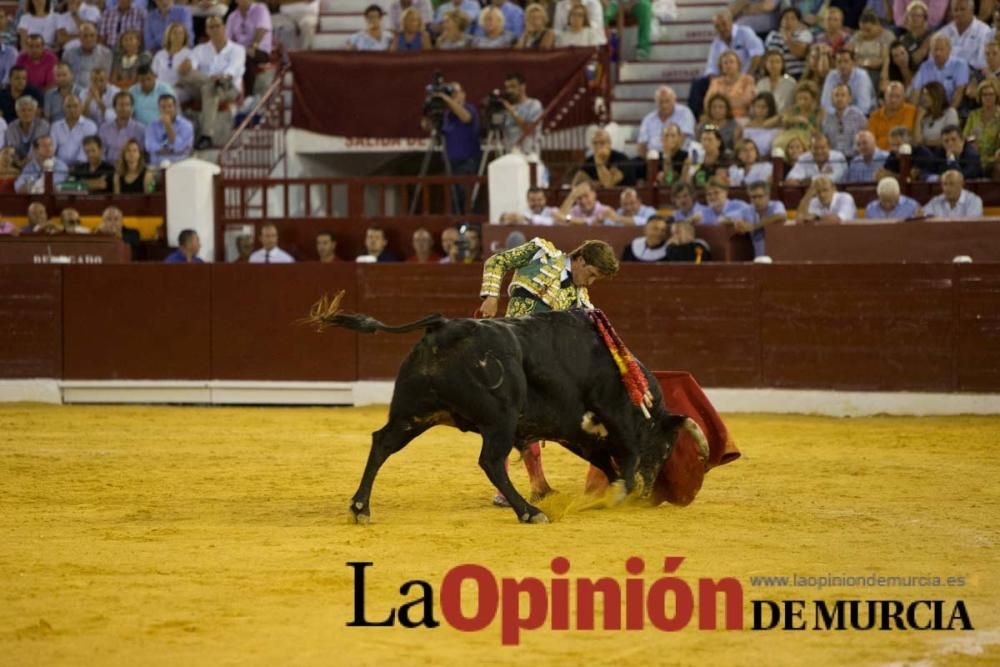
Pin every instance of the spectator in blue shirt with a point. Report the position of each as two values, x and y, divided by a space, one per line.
188 246
171 137
870 159
952 73
32 178
460 129
157 20
765 212
146 95
469 7
721 208
686 207
891 205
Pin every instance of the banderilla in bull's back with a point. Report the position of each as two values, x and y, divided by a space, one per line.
550 376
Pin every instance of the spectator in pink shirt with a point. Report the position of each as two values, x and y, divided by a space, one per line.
39 63
250 27
582 208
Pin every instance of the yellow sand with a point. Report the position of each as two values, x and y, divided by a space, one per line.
190 536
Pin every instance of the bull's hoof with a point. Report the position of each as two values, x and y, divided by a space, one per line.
537 517
616 493
359 514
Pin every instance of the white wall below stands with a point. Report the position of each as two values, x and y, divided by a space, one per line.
222 392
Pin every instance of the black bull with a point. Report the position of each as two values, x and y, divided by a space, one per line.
515 381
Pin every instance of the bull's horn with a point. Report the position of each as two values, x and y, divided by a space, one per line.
691 426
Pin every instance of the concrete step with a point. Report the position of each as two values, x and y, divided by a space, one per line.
699 12
350 6
332 40
631 111
342 22
686 31
677 70
680 51
646 90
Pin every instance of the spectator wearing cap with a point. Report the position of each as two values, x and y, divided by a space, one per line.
954 201
250 27
118 20
69 133
22 133
116 132
891 204
188 247
88 54
32 178
822 203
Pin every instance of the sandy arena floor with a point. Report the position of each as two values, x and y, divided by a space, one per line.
190 536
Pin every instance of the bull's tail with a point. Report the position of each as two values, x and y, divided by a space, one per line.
326 313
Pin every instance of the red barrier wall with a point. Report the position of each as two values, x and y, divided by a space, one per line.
31 327
926 327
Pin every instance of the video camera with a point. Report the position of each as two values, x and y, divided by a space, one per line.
434 106
494 110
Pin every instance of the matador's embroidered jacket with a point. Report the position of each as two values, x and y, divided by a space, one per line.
542 279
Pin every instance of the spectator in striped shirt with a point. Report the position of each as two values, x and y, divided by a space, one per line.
117 21
843 125
792 39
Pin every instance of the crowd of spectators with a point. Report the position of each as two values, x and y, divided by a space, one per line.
152 74
415 25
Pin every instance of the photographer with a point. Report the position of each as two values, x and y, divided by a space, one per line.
522 113
459 125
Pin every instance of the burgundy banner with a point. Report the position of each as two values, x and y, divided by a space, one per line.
351 94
